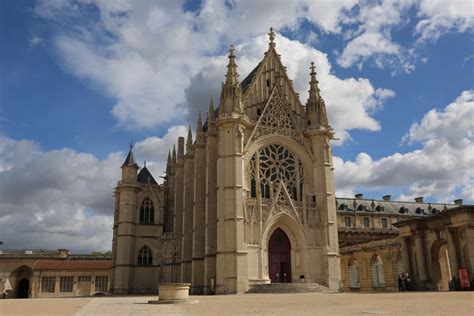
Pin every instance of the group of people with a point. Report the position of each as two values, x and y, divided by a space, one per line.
404 282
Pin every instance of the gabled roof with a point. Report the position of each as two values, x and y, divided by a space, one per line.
144 175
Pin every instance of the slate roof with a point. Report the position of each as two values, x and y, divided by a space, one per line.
390 207
45 264
144 175
246 82
130 160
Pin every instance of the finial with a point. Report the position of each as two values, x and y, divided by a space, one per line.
169 156
313 68
189 141
131 143
144 163
231 76
271 35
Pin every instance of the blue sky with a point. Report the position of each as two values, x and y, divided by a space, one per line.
79 79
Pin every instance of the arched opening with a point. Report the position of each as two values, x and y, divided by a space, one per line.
440 265
20 281
279 257
354 277
378 277
23 288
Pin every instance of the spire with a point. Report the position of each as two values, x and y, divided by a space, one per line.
271 36
168 163
130 160
313 84
173 158
315 106
199 131
211 112
231 77
230 93
189 141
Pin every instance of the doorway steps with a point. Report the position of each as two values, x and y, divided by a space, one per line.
289 288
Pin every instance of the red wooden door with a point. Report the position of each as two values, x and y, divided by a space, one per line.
279 257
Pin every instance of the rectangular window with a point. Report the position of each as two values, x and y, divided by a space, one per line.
47 284
66 284
84 278
366 222
347 222
384 223
102 283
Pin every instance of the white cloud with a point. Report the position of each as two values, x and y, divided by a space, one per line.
153 58
455 123
372 37
441 168
439 17
350 101
35 40
64 198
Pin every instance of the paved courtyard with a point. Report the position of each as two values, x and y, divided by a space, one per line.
414 303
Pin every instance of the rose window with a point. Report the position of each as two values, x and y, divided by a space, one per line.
275 163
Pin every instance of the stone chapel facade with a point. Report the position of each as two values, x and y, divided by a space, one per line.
249 199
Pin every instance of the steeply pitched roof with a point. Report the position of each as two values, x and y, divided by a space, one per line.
130 160
45 264
144 175
246 82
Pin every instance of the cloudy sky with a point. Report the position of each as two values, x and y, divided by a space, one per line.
80 78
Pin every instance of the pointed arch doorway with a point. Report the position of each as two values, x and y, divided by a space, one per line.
279 257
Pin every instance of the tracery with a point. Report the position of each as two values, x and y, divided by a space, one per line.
272 164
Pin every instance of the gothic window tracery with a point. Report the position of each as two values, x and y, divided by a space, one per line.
144 256
271 165
147 212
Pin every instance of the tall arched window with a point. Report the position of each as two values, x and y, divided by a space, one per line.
271 165
147 212
378 278
354 278
144 256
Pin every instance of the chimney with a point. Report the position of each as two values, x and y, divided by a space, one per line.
387 198
359 196
458 202
419 199
64 253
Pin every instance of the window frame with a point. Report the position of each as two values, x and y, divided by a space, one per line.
366 220
348 218
101 283
48 284
66 284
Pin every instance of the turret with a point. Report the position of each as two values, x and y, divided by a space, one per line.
230 93
315 107
129 168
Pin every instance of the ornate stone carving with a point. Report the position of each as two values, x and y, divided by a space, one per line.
277 118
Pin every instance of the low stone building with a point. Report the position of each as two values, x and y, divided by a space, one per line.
35 274
439 250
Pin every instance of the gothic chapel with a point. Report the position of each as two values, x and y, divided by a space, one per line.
249 199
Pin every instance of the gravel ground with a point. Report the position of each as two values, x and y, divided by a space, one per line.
412 303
